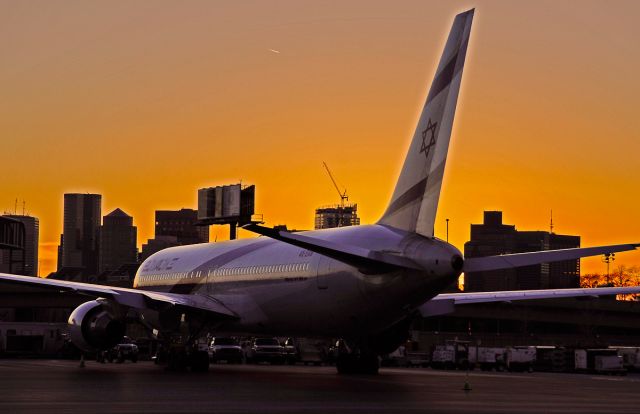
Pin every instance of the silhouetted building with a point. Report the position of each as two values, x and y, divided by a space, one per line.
59 261
122 276
182 225
117 241
32 235
80 231
337 216
156 244
495 238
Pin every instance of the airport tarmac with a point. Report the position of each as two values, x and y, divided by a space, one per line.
62 387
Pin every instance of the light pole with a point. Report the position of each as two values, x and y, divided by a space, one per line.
608 258
447 230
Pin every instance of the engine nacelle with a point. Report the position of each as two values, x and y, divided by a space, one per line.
93 327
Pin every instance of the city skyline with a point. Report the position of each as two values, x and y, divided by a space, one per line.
546 117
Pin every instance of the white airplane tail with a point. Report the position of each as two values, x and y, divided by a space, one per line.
414 202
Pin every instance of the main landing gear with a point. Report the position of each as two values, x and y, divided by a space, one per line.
182 359
360 360
367 364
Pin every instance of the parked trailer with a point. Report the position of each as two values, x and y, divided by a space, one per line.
452 355
487 358
312 350
418 359
599 361
553 359
520 358
630 357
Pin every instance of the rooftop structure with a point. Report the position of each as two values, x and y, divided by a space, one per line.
337 215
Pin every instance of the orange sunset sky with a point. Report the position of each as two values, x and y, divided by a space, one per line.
145 102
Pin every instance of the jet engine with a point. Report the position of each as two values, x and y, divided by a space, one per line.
93 327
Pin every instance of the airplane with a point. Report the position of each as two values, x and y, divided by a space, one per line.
363 284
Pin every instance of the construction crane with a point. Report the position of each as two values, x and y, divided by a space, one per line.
343 195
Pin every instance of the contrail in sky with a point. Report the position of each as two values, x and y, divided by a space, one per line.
274 51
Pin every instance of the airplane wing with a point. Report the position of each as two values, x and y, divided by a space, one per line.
506 261
133 298
446 302
365 259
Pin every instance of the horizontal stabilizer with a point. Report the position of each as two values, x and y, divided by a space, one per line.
507 261
368 261
508 296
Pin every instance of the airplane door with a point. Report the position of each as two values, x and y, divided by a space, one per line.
324 269
210 282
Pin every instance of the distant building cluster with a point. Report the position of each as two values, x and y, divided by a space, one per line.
104 249
495 238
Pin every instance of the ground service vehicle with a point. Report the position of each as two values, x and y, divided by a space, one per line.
599 361
520 358
266 350
125 350
452 355
630 357
487 358
225 349
290 351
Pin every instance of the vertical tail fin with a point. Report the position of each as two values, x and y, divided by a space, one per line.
414 202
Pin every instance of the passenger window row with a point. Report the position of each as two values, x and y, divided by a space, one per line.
170 276
229 271
256 270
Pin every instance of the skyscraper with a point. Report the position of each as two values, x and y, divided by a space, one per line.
117 239
31 239
80 230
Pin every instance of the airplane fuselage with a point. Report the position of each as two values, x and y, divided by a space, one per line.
280 289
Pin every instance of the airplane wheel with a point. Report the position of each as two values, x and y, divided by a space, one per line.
346 364
367 364
199 361
177 360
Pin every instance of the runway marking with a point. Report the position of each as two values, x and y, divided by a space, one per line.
456 373
619 379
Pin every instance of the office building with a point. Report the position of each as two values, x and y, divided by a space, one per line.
156 244
117 240
181 224
80 231
494 238
31 240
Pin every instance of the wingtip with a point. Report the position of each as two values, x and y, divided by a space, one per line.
467 12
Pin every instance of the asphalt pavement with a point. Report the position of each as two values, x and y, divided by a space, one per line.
53 386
